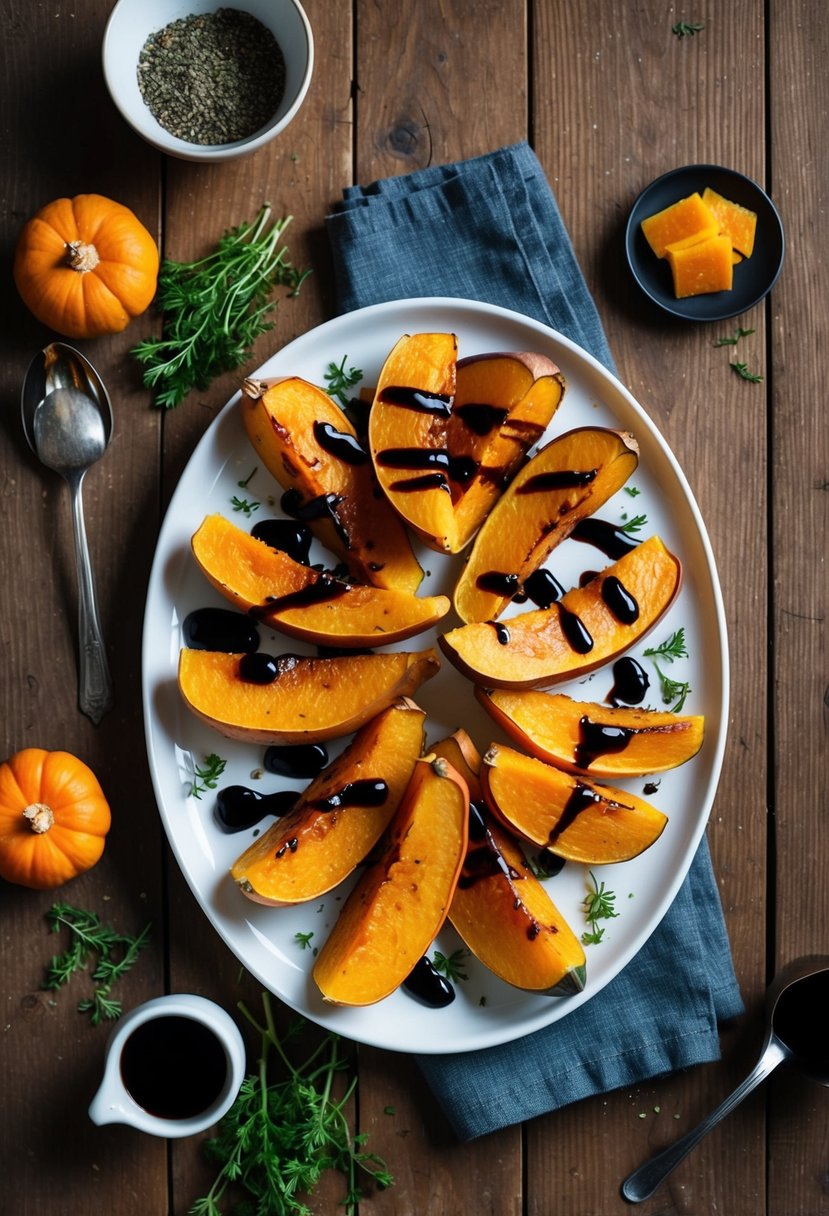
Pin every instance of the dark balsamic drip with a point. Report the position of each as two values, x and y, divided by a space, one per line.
630 682
501 632
557 479
238 807
367 792
581 799
287 536
259 668
320 591
340 444
587 576
542 588
483 858
417 399
619 600
174 1067
428 481
497 582
574 631
599 739
456 468
613 541
297 760
533 930
480 418
324 506
220 629
650 787
289 846
428 986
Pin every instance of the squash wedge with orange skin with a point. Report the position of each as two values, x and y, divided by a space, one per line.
499 908
332 829
407 434
587 737
576 635
302 602
308 444
508 920
309 701
400 902
503 404
569 816
567 479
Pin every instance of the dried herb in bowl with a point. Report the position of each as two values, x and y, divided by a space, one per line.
212 78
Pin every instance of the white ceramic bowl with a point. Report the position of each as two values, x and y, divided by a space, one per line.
131 23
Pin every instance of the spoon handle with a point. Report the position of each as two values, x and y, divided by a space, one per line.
648 1177
95 682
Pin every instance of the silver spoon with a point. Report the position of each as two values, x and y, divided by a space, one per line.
797 1005
67 419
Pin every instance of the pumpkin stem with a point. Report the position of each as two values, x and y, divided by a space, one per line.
81 257
253 388
40 816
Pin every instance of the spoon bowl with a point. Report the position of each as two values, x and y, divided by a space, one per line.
67 421
796 1008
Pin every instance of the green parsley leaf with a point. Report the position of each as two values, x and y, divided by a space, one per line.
243 505
453 965
673 648
207 777
742 371
634 525
339 381
598 905
304 940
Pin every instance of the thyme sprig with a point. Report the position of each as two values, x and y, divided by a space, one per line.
283 1133
672 690
742 371
684 29
214 308
117 953
207 777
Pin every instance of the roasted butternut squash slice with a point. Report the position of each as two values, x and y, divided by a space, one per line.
340 816
407 434
567 479
306 442
586 737
737 222
589 626
464 757
569 816
503 404
305 701
306 603
507 918
702 267
400 902
683 219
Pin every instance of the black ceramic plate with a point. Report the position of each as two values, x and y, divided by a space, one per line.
754 277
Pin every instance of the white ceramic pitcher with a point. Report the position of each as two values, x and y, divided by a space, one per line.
115 1103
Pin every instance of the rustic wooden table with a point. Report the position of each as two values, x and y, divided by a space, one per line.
610 98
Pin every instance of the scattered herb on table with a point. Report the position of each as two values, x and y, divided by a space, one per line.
735 338
742 371
207 777
116 954
215 308
672 690
338 381
684 29
452 965
281 1135
598 905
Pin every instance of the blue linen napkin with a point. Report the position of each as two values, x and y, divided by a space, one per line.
489 229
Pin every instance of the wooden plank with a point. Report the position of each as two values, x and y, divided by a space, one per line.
433 69
627 100
798 1109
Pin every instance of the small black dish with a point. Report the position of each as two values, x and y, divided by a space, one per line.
754 277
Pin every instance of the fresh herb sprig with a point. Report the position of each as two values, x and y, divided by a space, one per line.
338 381
281 1135
636 524
207 777
215 308
735 337
598 905
116 954
672 690
684 29
742 371
451 965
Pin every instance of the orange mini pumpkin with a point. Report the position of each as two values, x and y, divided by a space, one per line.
85 266
53 818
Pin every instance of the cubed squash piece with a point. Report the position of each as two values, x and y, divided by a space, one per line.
736 222
703 267
681 220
